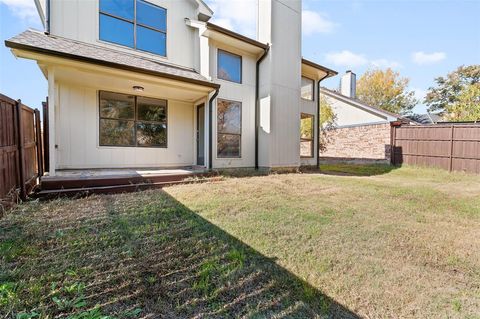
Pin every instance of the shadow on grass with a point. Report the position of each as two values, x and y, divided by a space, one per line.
142 255
347 169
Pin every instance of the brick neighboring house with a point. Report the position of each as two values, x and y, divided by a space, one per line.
362 132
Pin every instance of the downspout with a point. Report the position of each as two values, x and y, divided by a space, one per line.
47 22
257 103
210 129
318 118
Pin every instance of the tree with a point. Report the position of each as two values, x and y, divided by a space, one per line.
467 105
327 123
455 93
386 90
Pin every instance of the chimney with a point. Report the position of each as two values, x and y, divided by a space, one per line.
348 84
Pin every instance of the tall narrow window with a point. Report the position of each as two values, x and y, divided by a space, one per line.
136 24
127 120
307 88
306 135
229 66
229 128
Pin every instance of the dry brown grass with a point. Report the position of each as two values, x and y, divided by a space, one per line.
392 243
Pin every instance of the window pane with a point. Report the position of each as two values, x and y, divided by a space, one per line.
115 132
306 148
229 67
306 126
118 106
151 41
151 109
229 117
151 15
307 88
120 8
228 145
149 134
116 31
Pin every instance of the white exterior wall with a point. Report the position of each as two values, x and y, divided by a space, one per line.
77 134
279 23
348 114
241 92
79 20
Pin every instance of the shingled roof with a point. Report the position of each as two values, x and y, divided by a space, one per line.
39 42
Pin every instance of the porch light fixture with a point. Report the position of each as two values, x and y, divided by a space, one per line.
138 88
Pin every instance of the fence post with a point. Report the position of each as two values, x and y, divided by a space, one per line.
38 137
21 150
450 166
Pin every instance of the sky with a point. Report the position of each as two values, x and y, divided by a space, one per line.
421 39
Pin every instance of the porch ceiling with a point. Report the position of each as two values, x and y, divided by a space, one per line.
123 83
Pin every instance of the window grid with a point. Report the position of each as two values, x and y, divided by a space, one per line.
135 120
135 24
220 133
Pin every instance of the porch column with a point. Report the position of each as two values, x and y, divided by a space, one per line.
51 120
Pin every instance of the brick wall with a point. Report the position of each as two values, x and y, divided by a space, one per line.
359 143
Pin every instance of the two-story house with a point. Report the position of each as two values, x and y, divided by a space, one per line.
137 83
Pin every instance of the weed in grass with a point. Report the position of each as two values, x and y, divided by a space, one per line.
7 293
94 313
206 274
28 315
457 305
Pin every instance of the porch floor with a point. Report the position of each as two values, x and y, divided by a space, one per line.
114 180
93 173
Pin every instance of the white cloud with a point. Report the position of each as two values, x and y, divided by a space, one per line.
346 58
384 63
428 58
24 9
350 59
236 15
316 22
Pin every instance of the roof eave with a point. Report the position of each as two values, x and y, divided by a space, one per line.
19 46
217 28
329 72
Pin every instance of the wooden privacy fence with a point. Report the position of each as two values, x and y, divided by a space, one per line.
453 147
20 150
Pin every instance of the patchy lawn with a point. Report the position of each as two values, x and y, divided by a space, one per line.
390 243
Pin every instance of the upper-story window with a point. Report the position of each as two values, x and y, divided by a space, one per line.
137 24
307 88
229 66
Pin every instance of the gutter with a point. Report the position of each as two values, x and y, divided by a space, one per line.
210 129
318 116
257 102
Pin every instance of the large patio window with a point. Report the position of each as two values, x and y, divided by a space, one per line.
128 120
229 128
137 24
229 66
306 135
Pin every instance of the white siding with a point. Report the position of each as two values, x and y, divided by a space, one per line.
348 114
78 135
242 92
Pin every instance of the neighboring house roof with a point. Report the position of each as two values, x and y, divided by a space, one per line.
39 42
427 118
357 103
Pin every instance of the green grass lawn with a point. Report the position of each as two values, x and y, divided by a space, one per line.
351 242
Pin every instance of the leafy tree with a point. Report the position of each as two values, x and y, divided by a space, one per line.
455 91
467 105
327 123
386 90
